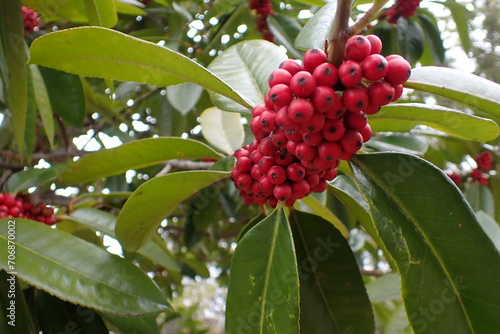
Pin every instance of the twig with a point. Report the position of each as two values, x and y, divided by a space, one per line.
337 37
184 165
367 18
375 273
53 156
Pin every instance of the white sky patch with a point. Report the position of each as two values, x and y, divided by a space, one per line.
197 24
242 28
213 21
225 39
109 142
87 142
1 118
112 245
140 126
42 164
67 192
305 14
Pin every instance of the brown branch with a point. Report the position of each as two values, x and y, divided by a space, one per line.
337 36
365 20
184 165
53 156
375 273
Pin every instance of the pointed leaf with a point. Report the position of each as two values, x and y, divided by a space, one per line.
184 97
133 325
433 35
222 129
105 53
78 271
427 226
34 177
333 297
460 15
410 39
133 155
246 67
314 33
154 200
319 209
457 85
101 12
403 117
263 290
43 102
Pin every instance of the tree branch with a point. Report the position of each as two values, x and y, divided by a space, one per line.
53 156
337 36
184 165
369 16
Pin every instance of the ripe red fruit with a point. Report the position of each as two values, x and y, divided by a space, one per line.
324 99
316 122
279 76
2 197
258 110
293 135
350 73
9 200
352 141
399 71
255 172
371 109
329 151
330 175
291 66
266 147
398 91
333 130
375 43
366 133
295 171
14 211
324 165
278 138
30 20
312 179
320 187
306 152
300 110
243 164
355 120
276 174
303 84
280 95
355 98
283 159
326 75
375 67
357 48
380 93
283 191
266 185
313 58
283 119
300 188
268 121
265 163
244 181
290 146
312 138
50 221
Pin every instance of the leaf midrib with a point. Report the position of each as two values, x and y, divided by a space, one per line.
430 245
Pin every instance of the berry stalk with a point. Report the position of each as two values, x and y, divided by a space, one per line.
337 36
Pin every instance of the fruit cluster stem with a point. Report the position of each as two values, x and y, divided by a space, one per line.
369 16
338 37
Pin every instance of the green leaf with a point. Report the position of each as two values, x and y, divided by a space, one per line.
15 314
104 222
426 225
246 67
410 39
384 288
73 11
105 53
433 36
133 155
399 142
184 97
460 15
129 7
480 198
285 29
154 200
16 56
333 298
222 129
34 177
66 95
314 33
101 12
398 322
490 227
402 117
263 290
133 325
30 132
43 102
322 211
457 85
79 272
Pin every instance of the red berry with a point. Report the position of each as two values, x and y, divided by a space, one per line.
14 211
2 197
375 67
278 138
243 164
282 192
266 185
306 152
371 109
9 200
357 48
258 110
380 93
325 99
265 163
50 221
324 165
283 119
352 141
276 174
375 43
355 98
320 187
303 84
355 120
350 73
398 91
267 102
255 156
312 138
300 188
326 75
244 181
329 151
300 110
283 159
280 95
290 146
399 71
266 147
312 179
316 122
279 76
313 58
41 219
295 171
255 172
366 133
292 66
330 175
268 121
293 135
257 129
333 130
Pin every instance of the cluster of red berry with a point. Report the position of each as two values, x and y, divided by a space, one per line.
19 206
30 20
315 115
404 8
264 8
485 164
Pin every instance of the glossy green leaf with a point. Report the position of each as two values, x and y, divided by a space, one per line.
246 67
73 11
399 142
30 127
16 56
457 85
384 288
43 102
427 227
133 155
130 7
319 209
80 272
263 290
34 177
14 312
101 12
433 36
333 297
154 200
133 325
66 95
460 15
410 39
105 222
490 227
402 117
105 53
222 129
314 33
184 97
480 198
285 29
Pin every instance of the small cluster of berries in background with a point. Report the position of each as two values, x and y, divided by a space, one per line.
263 8
401 8
314 116
485 164
19 206
31 20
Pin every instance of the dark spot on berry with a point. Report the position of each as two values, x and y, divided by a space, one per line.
360 104
327 71
302 81
381 66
